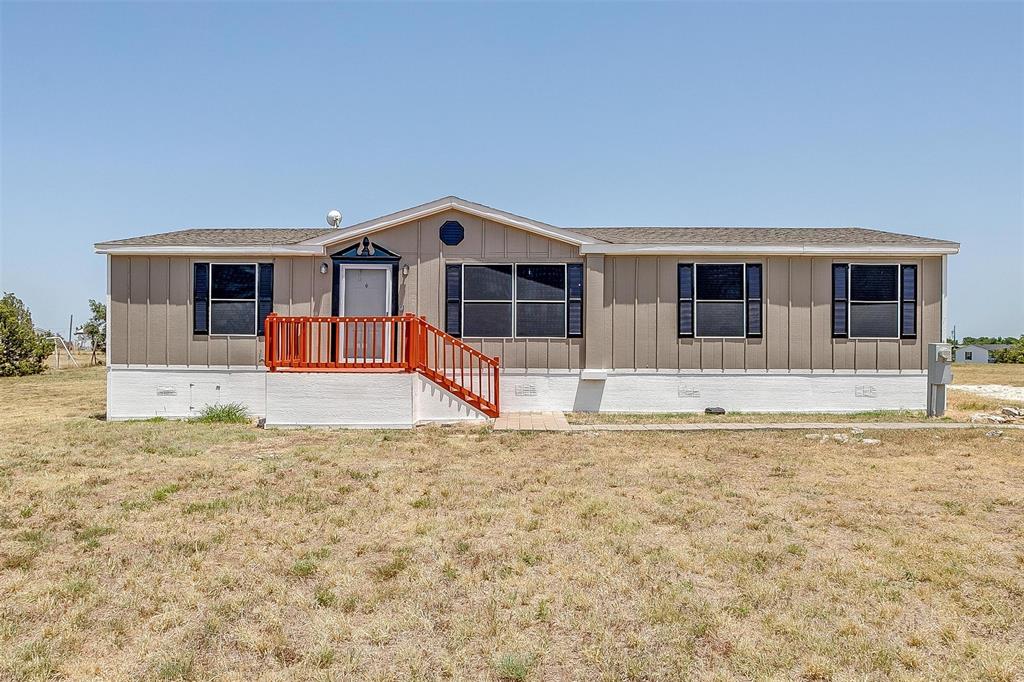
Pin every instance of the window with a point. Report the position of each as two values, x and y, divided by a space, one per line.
874 306
233 298
968 355
524 300
540 300
721 300
487 300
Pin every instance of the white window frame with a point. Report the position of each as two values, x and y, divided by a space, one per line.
255 301
968 355
743 300
564 301
899 302
514 300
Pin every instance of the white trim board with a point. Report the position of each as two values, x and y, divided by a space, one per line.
241 250
761 250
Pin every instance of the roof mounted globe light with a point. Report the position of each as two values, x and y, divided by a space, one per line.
334 218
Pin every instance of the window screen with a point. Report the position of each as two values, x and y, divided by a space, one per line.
233 281
719 318
874 301
232 317
487 300
487 282
720 282
720 305
540 300
540 282
540 319
233 298
486 319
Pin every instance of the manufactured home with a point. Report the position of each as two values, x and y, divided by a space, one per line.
454 310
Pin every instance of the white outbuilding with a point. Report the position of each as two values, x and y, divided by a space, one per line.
979 352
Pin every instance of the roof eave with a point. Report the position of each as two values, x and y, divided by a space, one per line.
225 250
767 249
439 205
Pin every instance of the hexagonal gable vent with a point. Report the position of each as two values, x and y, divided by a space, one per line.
452 233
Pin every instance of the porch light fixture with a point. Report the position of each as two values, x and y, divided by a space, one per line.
323 268
405 270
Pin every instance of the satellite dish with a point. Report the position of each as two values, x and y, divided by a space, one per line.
334 218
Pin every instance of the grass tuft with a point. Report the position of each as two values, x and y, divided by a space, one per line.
230 413
513 667
177 668
391 569
324 597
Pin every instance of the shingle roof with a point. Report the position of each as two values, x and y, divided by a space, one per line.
757 236
753 236
225 236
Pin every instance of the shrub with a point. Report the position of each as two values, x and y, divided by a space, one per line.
23 350
231 413
1014 354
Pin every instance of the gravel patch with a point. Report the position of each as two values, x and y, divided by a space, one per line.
992 390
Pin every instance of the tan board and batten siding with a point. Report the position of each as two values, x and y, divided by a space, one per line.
630 307
639 310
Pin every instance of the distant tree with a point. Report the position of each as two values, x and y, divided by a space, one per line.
23 350
989 340
1014 354
95 330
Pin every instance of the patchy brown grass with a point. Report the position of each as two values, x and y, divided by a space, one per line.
194 551
995 373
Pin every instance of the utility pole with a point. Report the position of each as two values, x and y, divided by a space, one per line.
71 325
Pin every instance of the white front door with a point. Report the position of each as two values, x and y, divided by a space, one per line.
365 291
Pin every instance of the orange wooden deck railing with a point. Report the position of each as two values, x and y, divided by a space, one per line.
403 343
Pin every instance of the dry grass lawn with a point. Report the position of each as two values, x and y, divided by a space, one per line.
159 550
994 373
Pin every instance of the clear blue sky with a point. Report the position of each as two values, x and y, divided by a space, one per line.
126 119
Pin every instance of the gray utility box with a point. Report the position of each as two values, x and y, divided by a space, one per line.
940 373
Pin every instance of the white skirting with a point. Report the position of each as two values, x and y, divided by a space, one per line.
174 393
693 392
401 400
351 399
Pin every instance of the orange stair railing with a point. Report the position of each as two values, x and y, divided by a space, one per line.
403 343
